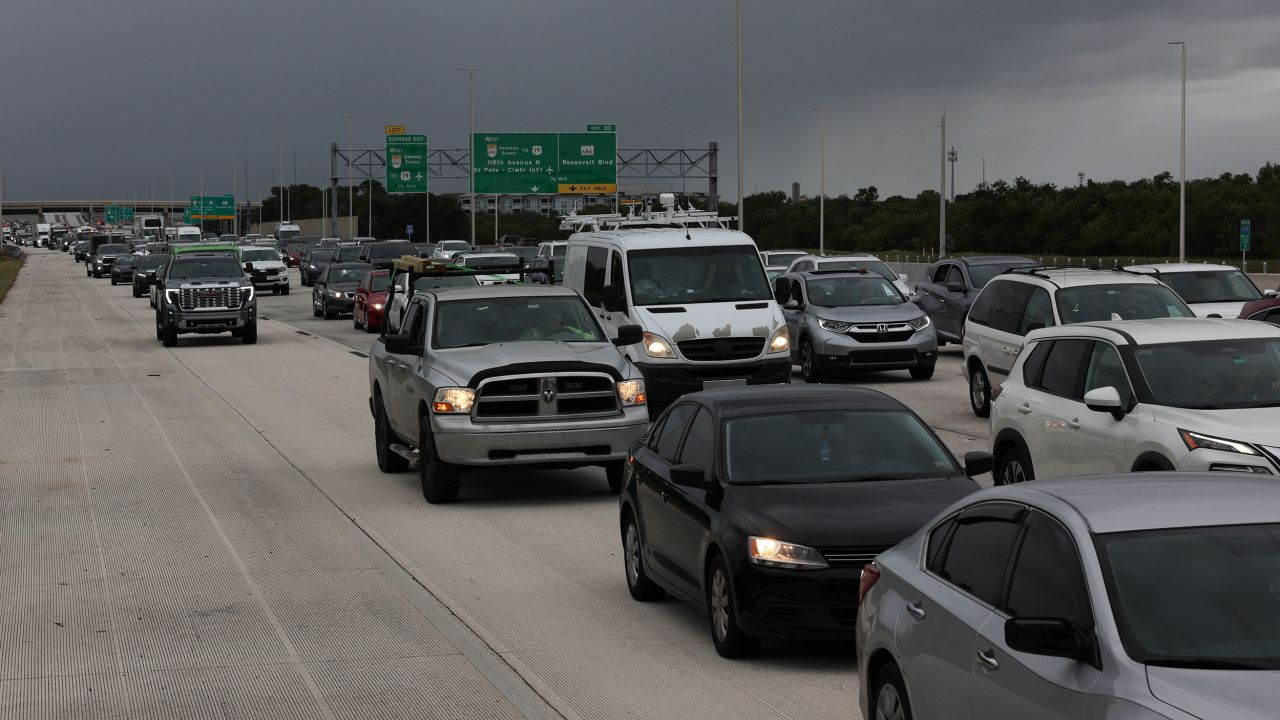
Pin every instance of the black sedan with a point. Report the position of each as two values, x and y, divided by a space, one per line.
144 274
763 503
122 269
334 291
314 261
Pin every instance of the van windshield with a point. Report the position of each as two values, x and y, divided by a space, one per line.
699 274
288 234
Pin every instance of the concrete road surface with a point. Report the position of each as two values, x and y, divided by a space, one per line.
203 532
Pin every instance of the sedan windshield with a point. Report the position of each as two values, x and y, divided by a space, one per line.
467 323
827 446
224 266
346 274
1205 597
1231 374
1093 303
1209 286
320 256
697 274
781 259
486 261
349 253
852 291
982 274
112 249
125 261
259 255
152 261
427 282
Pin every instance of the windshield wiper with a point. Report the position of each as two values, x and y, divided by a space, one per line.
1205 664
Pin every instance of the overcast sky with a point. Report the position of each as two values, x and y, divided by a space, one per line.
97 99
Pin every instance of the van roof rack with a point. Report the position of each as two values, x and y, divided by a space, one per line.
641 215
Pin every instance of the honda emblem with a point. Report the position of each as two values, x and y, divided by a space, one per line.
882 328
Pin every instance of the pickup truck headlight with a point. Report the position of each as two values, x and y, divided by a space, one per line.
246 294
781 340
657 346
172 295
453 400
834 326
632 392
919 323
776 553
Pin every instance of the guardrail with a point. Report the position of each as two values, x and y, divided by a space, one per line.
11 251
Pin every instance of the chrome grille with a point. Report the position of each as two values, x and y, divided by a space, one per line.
534 397
850 556
882 332
730 348
209 298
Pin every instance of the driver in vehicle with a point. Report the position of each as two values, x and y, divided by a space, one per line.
549 324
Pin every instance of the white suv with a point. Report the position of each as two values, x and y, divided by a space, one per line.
1113 397
856 261
1210 290
1024 299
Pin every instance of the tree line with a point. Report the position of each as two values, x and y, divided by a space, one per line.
1138 218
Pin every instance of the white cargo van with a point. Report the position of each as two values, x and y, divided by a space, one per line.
43 231
696 288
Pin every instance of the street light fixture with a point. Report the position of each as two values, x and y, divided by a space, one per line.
280 187
822 190
1182 163
742 206
471 104
350 205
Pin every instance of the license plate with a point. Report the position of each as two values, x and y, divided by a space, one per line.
713 384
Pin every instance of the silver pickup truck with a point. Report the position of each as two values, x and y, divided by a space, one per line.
501 376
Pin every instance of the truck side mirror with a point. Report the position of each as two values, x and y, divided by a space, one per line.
401 345
629 335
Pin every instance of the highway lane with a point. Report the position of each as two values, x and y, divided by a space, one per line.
273 443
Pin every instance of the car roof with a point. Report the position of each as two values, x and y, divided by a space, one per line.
1079 277
993 260
1154 500
1163 268
816 274
1163 330
778 398
342 265
667 237
481 292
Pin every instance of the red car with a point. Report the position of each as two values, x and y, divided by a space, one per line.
371 301
293 255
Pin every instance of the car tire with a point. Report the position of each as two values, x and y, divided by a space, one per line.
809 367
1013 467
979 392
388 462
113 281
314 310
284 290
889 695
440 480
249 333
923 372
275 291
135 292
731 641
367 327
638 583
615 474
324 310
169 335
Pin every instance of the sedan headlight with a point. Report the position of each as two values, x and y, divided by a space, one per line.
779 554
1198 441
781 340
453 400
919 323
335 293
657 346
834 326
312 267
377 306
632 392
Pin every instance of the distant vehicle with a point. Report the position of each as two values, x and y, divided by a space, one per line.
439 274
447 248
950 287
144 273
1210 290
266 269
776 261
293 254
205 291
855 261
547 255
43 232
149 226
334 292
499 263
1021 300
187 234
122 269
103 256
348 253
288 232
762 504
313 263
382 254
370 303
1147 596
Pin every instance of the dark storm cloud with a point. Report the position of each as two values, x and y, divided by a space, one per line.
99 99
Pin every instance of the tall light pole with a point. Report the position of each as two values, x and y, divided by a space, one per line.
471 105
280 187
350 206
202 202
171 200
235 202
742 206
822 191
942 190
14 236
1182 163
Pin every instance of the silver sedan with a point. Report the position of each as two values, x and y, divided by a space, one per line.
1141 596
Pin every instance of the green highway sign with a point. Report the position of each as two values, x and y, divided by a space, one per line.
602 127
545 163
186 217
212 207
116 214
1246 230
406 163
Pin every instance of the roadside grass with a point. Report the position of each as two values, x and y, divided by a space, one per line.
8 273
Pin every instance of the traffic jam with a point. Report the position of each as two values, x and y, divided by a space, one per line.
1113 552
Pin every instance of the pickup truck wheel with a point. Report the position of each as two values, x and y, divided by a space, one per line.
249 333
113 280
135 292
614 472
388 462
169 335
440 480
284 290
275 291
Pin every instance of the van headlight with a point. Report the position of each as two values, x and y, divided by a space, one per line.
632 392
657 346
781 340
453 400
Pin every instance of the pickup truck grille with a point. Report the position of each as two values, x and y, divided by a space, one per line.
732 348
203 298
544 397
266 274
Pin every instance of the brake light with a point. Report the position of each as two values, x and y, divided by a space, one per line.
870 576
995 392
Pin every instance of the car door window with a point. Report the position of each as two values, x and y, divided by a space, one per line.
1006 311
1037 313
1106 370
1063 367
667 441
1047 580
980 312
593 276
700 442
954 275
781 290
418 324
411 325
977 555
1033 367
938 275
